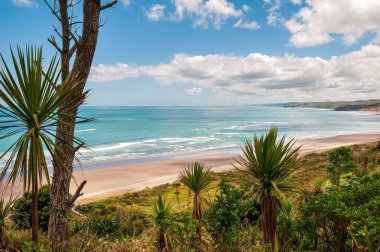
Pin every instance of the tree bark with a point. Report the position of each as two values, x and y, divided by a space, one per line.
34 213
269 220
197 215
63 164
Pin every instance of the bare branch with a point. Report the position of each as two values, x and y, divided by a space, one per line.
72 35
52 41
109 5
77 194
57 31
76 22
53 10
78 147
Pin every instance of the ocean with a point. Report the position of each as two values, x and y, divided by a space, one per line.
121 135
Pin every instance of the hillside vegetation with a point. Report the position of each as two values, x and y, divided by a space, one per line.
368 105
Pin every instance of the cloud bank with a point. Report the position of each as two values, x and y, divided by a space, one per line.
322 21
349 76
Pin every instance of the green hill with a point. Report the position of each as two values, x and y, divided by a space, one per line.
360 105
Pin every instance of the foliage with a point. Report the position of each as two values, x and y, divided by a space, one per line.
198 179
23 205
100 226
333 215
33 247
183 231
341 161
113 226
6 213
31 99
224 218
267 166
162 209
287 230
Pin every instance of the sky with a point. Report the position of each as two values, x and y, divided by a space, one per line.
219 52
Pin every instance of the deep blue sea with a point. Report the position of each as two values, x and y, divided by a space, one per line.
120 135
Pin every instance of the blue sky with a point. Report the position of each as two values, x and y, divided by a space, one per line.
220 52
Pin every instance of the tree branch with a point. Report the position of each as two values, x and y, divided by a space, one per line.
55 13
56 31
109 5
74 48
77 194
52 41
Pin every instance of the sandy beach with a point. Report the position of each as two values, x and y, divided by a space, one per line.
112 181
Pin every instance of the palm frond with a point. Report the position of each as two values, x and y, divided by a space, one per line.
31 98
267 163
196 177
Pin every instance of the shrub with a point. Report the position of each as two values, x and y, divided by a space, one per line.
333 216
22 218
223 220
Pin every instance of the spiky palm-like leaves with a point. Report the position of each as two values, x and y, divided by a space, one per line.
267 164
6 212
198 179
29 110
162 208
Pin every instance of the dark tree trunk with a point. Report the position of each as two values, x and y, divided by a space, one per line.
34 213
163 242
341 235
269 220
223 246
197 215
85 47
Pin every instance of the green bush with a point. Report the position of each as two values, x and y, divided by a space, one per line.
336 216
224 218
22 218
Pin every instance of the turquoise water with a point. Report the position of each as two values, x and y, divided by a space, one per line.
136 134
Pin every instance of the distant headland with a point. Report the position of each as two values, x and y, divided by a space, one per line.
359 105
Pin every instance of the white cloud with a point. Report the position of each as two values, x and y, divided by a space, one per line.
296 2
320 20
25 3
253 25
125 3
245 8
205 13
155 12
194 91
265 78
274 15
104 72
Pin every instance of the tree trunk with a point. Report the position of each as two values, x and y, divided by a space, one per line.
34 213
197 215
341 235
223 244
269 220
63 164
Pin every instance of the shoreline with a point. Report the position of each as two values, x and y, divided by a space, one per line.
117 180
